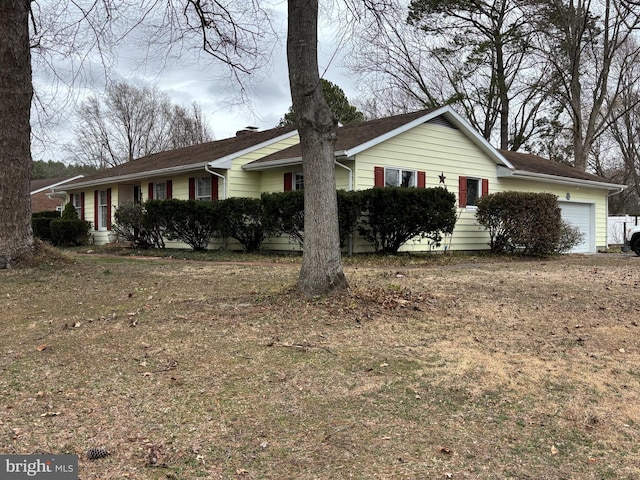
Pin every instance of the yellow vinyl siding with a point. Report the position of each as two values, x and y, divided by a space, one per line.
434 149
244 183
273 180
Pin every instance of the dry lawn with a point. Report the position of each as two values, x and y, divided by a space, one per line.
465 368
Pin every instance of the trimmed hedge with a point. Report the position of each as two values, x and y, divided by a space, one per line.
392 216
245 220
349 212
70 232
525 222
133 224
41 224
193 222
386 217
61 230
285 211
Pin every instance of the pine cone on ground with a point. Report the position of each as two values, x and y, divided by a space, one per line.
97 453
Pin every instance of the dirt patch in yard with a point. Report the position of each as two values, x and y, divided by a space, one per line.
473 368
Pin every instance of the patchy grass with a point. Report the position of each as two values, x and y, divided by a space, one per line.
449 368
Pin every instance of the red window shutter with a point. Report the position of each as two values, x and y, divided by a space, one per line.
108 209
192 188
485 187
422 179
378 176
169 188
150 196
82 206
95 209
214 188
288 181
462 191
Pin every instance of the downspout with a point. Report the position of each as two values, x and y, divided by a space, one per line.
224 194
224 180
350 188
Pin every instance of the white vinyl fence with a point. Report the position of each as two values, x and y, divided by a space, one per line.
616 227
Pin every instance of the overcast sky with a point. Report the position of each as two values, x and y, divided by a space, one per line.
267 96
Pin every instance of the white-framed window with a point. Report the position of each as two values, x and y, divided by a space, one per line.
102 209
298 181
77 204
399 177
474 190
203 188
160 192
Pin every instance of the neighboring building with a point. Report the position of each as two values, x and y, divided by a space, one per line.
427 148
42 197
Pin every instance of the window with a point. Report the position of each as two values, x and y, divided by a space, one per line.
473 191
203 188
160 192
293 181
77 204
103 205
396 177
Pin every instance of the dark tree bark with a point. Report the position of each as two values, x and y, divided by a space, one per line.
321 270
16 239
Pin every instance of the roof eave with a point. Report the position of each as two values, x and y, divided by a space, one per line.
137 176
284 162
54 185
545 177
225 162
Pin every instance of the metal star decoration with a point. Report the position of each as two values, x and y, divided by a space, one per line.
442 177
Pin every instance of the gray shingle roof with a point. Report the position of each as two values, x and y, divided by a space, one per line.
350 136
536 164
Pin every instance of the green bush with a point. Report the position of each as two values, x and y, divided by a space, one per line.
245 220
69 212
131 224
41 224
154 222
41 227
70 232
349 212
392 216
526 222
46 214
285 211
193 222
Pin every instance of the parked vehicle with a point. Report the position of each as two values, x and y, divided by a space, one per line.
632 240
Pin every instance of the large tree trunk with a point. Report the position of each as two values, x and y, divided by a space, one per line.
321 270
16 90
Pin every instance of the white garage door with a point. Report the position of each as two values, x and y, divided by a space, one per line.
581 215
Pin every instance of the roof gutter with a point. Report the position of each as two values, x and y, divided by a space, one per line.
56 185
137 176
564 180
285 162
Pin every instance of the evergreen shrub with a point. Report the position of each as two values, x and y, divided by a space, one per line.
525 222
245 220
393 216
